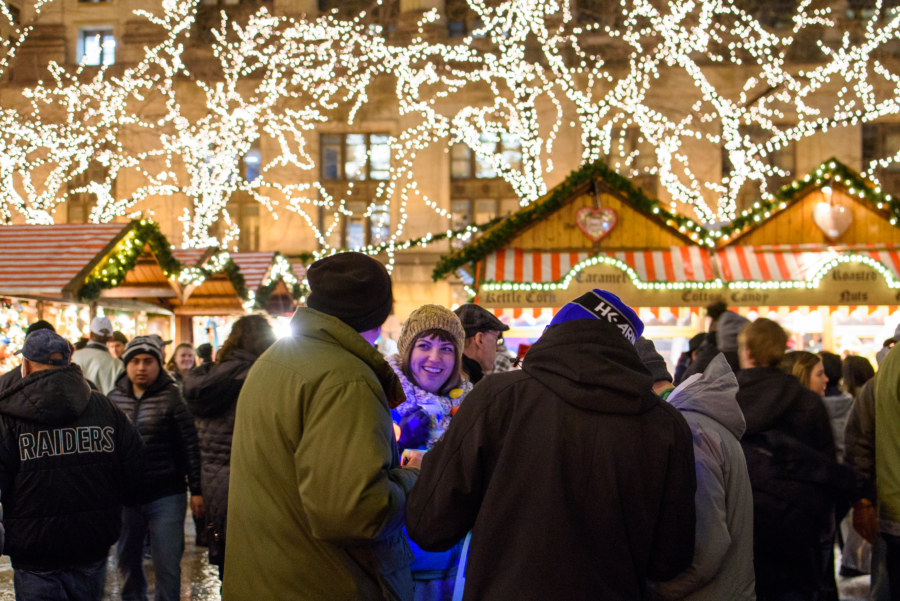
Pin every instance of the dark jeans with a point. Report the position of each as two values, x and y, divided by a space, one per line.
164 520
893 564
80 583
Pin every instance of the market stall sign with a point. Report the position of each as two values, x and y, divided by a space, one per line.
850 283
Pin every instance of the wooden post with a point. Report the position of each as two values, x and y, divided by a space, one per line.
40 308
828 330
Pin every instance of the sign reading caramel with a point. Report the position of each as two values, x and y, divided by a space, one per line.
847 284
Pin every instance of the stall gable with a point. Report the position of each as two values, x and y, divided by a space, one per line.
147 281
221 291
796 224
633 228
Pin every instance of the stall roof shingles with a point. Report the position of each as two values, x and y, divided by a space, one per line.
43 259
254 266
189 257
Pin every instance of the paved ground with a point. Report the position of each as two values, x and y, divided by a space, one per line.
200 581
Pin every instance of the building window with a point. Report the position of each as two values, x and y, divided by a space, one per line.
14 14
96 46
365 223
80 204
251 163
246 214
465 212
466 164
355 157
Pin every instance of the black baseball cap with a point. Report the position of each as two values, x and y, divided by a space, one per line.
41 345
478 319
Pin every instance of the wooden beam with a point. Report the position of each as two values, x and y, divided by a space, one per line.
153 291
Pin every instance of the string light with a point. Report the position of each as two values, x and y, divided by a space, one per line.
530 61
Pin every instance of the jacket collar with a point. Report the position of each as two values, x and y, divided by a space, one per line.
97 346
315 324
123 384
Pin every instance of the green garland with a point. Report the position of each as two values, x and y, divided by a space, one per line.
508 228
830 171
265 292
111 272
235 277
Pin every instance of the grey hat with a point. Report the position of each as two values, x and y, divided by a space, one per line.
478 319
730 325
653 361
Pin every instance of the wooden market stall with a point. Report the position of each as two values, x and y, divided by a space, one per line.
270 280
67 273
215 294
595 230
821 256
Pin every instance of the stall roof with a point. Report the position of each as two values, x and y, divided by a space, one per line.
650 220
267 274
217 286
52 261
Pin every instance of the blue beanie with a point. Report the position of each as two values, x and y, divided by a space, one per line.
599 304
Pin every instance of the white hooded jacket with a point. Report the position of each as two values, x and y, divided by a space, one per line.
723 557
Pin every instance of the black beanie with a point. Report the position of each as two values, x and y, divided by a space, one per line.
652 360
353 287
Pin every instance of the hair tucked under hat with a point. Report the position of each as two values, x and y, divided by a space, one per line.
429 318
353 287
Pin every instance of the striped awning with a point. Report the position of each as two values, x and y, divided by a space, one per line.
760 264
677 264
254 267
42 260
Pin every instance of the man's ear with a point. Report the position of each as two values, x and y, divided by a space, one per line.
479 339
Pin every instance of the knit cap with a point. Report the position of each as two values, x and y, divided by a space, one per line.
142 345
652 360
730 325
599 304
353 287
430 317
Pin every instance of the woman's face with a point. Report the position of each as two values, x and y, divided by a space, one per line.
818 380
431 363
184 359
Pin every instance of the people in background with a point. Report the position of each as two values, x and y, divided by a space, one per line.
68 460
316 492
182 362
429 366
794 474
95 360
151 399
837 401
687 357
205 353
575 479
116 344
722 567
484 334
709 348
211 391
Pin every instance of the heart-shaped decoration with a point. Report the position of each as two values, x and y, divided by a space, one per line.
596 223
832 219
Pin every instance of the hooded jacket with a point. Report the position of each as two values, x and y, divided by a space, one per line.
723 552
316 498
576 481
211 391
170 438
69 460
795 478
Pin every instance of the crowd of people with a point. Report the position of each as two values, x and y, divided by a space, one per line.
446 470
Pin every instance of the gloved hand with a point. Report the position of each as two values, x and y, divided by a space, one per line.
415 427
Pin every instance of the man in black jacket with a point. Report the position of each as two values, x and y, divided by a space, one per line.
68 461
152 400
575 479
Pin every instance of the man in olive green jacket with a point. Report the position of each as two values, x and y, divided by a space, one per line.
317 494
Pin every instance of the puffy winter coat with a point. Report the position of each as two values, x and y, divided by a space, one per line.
723 552
576 481
211 391
68 461
887 447
316 499
170 437
795 478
